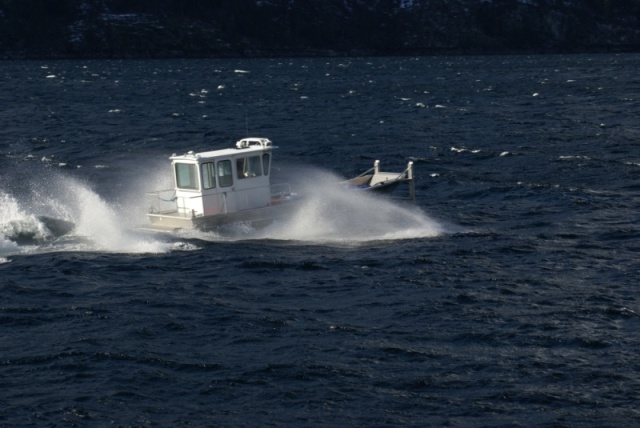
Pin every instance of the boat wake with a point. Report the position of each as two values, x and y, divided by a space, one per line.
66 215
18 227
34 230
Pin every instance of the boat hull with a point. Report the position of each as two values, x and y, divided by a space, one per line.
385 188
258 217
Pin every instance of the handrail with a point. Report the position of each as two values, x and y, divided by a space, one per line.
364 173
166 201
376 170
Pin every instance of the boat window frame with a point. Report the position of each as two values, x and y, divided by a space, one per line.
266 163
224 174
249 167
192 177
240 167
208 172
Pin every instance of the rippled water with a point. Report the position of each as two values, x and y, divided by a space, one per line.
506 296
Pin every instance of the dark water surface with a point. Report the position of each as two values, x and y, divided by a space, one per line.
508 296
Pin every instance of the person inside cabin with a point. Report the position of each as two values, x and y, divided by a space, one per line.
249 167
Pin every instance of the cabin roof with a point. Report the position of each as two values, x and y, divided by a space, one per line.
243 146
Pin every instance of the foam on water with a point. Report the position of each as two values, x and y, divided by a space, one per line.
7 247
99 225
16 224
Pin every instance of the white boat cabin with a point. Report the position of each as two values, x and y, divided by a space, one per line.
223 181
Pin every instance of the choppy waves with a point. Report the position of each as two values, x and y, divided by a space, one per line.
507 296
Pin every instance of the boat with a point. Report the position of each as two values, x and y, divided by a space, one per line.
376 181
227 186
221 187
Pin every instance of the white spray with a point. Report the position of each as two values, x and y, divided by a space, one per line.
99 225
331 213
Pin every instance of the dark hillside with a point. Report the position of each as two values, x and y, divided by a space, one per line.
210 28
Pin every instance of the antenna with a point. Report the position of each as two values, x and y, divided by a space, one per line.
246 123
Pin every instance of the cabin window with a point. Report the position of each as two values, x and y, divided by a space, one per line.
255 167
265 163
208 175
225 176
186 176
249 167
